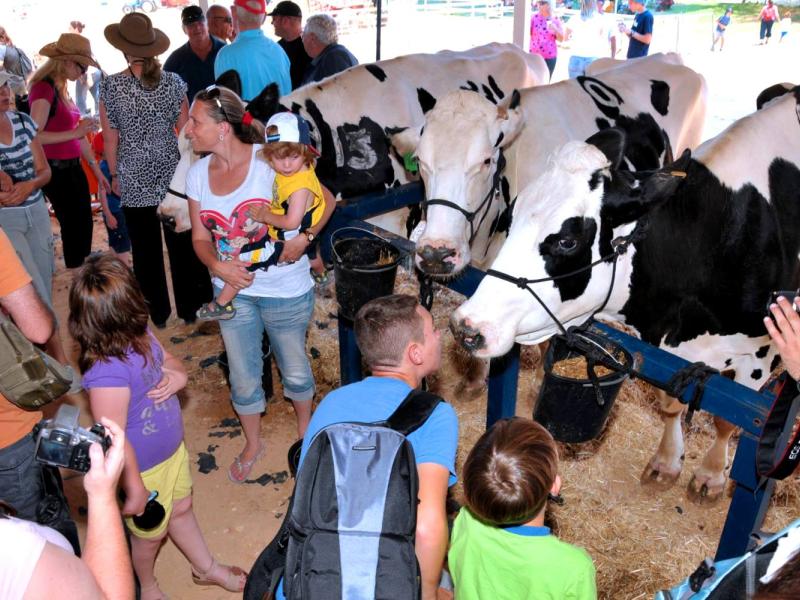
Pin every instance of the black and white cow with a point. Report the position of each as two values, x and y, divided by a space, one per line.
352 114
467 142
717 242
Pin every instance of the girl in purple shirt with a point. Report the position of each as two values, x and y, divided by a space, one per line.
132 380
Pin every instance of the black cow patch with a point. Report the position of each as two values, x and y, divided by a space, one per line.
376 72
602 123
425 99
712 255
755 375
595 180
659 96
488 93
762 352
605 97
496 88
776 360
728 362
471 86
569 250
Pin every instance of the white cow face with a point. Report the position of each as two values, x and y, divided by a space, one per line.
563 222
458 155
174 209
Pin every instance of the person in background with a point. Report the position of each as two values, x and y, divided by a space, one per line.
546 29
287 19
83 87
786 25
321 41
16 62
258 60
783 326
641 34
140 109
194 61
220 23
62 133
38 562
133 381
113 217
499 539
768 16
590 37
722 24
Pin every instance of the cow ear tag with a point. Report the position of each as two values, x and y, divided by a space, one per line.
410 163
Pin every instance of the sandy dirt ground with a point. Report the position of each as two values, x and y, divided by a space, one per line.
641 539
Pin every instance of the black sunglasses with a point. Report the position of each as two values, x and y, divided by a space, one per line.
212 92
82 67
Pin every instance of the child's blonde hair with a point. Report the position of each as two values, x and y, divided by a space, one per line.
285 149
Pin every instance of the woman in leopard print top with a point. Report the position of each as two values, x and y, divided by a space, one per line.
140 110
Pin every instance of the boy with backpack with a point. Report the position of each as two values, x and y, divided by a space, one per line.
500 548
355 536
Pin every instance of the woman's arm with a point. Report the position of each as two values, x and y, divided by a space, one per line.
110 144
183 116
232 272
40 113
293 249
88 155
22 190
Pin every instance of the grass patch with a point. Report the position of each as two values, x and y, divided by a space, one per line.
742 11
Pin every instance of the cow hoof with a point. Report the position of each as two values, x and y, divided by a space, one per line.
659 477
705 493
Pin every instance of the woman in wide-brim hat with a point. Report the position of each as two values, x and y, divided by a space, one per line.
140 109
62 133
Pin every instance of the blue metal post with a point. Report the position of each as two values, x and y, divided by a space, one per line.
349 355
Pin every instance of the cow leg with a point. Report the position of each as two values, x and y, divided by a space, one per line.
709 479
665 467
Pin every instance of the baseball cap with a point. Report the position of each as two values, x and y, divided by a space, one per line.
257 7
289 127
192 14
286 8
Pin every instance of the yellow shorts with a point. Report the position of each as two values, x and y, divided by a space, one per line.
173 481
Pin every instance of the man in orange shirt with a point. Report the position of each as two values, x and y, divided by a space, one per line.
21 477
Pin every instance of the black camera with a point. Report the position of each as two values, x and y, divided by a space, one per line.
61 442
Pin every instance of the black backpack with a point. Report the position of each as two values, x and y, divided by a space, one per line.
349 531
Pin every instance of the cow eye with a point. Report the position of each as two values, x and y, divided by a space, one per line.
567 244
488 161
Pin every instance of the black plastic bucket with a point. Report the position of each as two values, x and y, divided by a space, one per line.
364 268
575 410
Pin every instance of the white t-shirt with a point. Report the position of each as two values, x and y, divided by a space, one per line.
590 38
227 219
21 545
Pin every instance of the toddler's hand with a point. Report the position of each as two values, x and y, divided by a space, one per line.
259 213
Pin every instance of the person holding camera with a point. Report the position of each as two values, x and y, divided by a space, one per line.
641 34
132 380
783 327
37 562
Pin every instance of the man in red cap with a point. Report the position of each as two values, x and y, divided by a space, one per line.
258 60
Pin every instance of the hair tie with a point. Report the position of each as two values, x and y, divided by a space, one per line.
247 119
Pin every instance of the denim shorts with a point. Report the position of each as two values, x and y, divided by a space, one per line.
117 238
286 322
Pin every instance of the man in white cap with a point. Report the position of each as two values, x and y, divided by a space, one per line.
258 60
194 61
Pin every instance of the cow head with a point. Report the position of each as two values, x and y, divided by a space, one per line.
459 153
563 222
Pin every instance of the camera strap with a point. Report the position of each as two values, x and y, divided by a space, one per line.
776 459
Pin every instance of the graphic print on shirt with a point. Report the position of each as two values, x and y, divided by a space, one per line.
233 232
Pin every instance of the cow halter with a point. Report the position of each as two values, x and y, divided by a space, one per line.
619 246
484 206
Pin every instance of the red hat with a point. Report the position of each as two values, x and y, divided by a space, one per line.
257 7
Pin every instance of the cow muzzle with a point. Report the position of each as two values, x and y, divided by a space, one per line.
434 261
470 338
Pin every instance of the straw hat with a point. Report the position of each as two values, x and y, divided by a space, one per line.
70 46
136 36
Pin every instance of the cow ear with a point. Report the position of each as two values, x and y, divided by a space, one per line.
231 80
509 121
266 104
405 141
610 142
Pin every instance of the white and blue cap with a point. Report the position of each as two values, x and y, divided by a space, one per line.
289 127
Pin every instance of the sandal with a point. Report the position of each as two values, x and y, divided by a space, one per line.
234 581
244 467
320 279
214 311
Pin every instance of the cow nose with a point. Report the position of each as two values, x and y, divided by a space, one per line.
466 335
432 260
168 221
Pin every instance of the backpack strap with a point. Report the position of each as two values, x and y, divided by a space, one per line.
777 458
413 411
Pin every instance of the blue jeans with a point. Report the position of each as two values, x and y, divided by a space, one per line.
577 65
286 322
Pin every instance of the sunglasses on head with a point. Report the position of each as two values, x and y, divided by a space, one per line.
212 92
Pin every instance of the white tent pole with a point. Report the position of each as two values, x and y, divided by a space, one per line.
522 21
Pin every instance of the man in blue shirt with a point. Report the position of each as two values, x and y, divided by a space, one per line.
258 60
194 61
641 34
328 57
400 345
